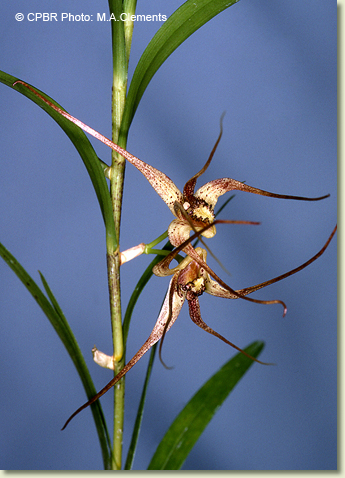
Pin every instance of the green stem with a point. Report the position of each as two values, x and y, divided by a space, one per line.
152 244
140 413
157 252
121 47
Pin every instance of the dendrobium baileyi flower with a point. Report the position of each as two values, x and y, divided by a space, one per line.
189 281
194 212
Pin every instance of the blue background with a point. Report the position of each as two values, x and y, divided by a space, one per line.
272 67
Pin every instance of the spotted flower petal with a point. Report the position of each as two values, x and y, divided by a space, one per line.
212 190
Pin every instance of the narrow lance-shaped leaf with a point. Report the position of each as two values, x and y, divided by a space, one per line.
188 18
84 148
195 416
57 319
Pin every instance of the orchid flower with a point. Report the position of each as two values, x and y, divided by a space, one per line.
190 280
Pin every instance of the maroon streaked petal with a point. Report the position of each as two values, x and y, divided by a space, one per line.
211 191
194 312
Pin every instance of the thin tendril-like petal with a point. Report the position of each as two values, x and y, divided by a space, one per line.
211 191
159 329
188 190
194 312
160 182
249 290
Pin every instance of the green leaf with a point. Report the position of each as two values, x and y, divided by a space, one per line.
188 18
193 419
86 151
57 319
140 412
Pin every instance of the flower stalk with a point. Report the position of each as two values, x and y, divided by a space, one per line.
121 43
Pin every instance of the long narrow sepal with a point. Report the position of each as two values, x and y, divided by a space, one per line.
211 191
168 315
195 315
160 182
249 290
188 190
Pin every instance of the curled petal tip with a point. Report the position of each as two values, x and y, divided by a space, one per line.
285 308
65 425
